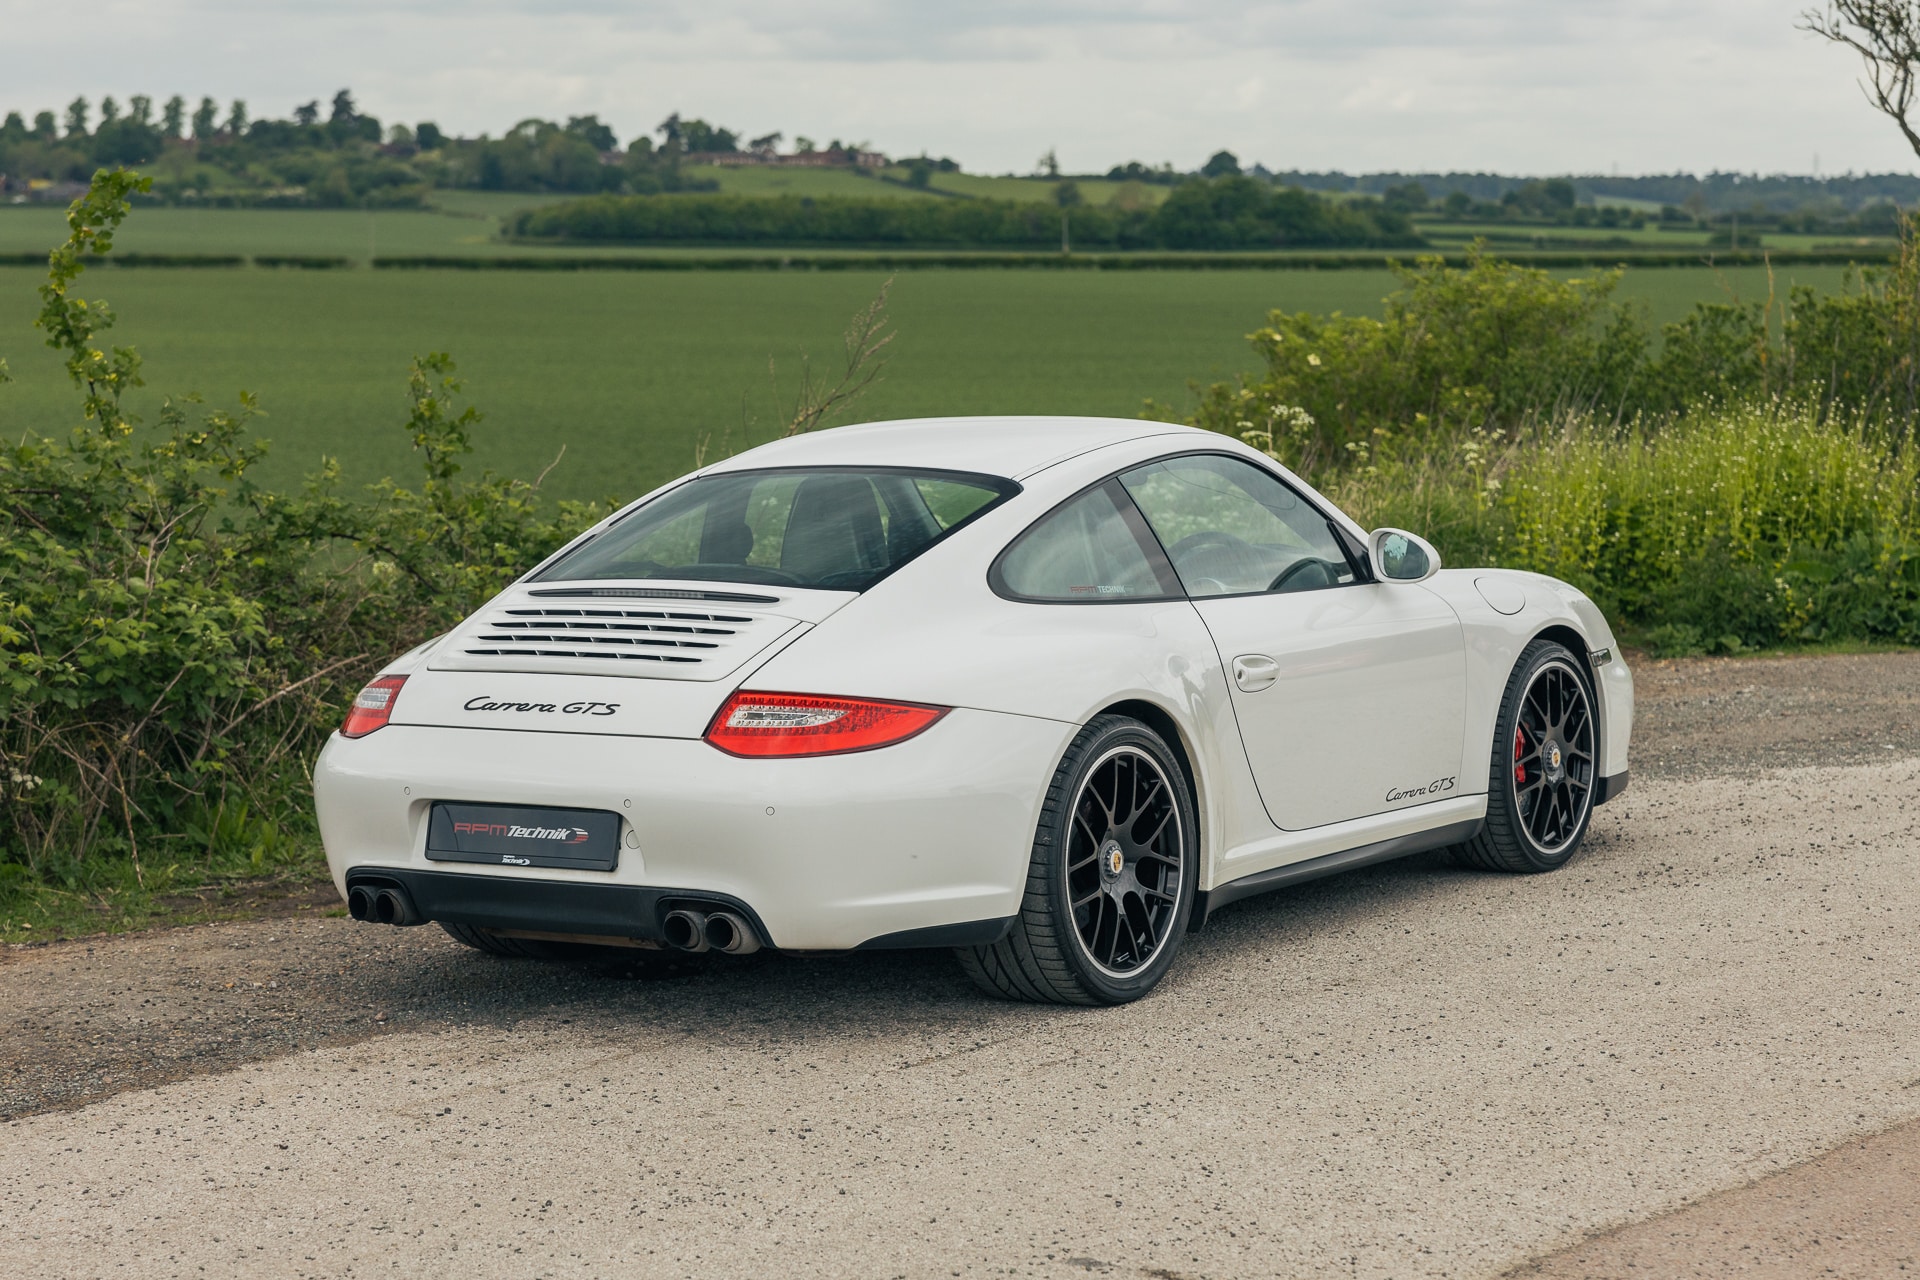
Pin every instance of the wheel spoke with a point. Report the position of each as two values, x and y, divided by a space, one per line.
1128 795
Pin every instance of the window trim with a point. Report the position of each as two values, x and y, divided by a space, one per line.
1002 487
1170 588
1362 573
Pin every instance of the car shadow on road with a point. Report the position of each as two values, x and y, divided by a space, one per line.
100 1018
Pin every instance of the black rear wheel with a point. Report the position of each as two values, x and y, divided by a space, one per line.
1111 884
1545 765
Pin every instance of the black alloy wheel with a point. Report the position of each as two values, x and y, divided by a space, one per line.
1546 763
1111 886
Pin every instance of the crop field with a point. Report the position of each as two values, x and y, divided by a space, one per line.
630 371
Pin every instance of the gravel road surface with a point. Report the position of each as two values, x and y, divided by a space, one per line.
1412 1070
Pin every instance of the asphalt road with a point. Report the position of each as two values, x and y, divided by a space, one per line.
1413 1070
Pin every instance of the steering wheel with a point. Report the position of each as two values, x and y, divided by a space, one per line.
1305 562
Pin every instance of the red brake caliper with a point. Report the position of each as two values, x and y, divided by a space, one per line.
1519 750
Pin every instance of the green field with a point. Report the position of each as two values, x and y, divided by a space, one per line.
630 370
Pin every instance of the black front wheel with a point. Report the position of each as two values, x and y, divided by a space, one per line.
1111 885
1545 765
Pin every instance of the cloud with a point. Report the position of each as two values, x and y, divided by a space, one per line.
1517 85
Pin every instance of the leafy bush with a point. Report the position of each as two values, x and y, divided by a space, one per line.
174 641
1751 526
1454 350
1497 346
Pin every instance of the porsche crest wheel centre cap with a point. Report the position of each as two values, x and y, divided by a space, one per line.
1112 860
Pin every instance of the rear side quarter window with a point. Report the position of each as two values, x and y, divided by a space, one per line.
1092 549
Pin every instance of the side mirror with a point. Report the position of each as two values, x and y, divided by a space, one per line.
1399 556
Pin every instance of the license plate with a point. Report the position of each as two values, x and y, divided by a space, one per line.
523 836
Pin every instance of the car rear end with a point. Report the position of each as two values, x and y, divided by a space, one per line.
608 758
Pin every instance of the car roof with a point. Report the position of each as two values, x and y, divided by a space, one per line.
1014 447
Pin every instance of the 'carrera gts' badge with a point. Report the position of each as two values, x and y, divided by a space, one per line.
484 703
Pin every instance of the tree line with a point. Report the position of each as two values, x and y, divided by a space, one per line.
1231 212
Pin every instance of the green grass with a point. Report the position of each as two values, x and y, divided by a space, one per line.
167 887
631 370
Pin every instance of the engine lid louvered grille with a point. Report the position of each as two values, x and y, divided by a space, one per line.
658 638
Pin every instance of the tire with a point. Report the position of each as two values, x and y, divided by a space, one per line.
1545 765
1097 866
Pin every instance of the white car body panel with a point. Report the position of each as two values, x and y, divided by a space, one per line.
1356 701
1381 691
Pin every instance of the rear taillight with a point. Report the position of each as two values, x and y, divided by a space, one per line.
372 706
799 724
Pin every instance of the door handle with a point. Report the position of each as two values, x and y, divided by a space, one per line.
1254 672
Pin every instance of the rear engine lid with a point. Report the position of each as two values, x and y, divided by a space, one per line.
536 702
657 631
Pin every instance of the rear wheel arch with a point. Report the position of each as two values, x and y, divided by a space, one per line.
1162 722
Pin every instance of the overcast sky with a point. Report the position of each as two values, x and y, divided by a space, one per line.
1516 86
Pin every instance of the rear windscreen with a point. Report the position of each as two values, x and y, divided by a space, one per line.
835 529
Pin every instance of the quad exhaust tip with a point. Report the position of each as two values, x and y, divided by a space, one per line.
695 931
686 930
728 932
381 905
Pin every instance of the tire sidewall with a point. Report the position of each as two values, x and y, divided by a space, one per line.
1544 654
1101 737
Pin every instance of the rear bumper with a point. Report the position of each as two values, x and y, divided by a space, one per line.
929 837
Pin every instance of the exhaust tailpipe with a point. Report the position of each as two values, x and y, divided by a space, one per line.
360 903
730 933
390 906
686 930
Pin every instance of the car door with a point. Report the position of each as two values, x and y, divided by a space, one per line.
1350 693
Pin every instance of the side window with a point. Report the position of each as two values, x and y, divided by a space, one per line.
1233 529
1092 549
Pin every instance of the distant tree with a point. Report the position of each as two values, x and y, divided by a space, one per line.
140 109
343 112
669 131
237 118
1457 205
1048 164
1067 194
1886 35
1407 197
766 144
701 136
803 144
173 116
400 136
1220 165
590 131
45 127
1134 171
109 110
428 136
206 120
77 118
920 172
15 128
307 115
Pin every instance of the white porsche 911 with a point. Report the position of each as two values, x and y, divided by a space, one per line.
1046 691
